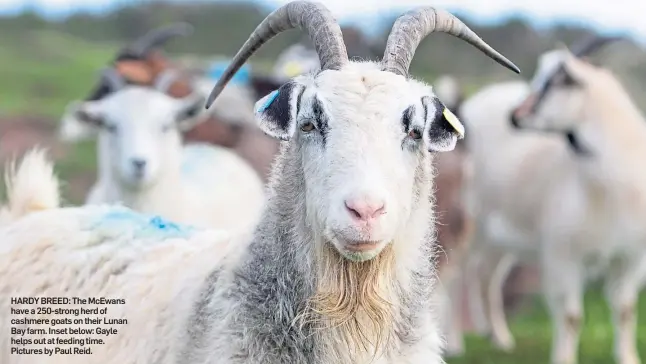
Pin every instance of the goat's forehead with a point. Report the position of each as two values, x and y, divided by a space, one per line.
365 93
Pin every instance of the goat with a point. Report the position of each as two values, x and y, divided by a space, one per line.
149 170
582 202
228 124
494 102
340 269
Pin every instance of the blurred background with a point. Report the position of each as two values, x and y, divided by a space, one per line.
51 52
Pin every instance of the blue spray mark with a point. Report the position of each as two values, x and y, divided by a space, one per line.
121 220
272 97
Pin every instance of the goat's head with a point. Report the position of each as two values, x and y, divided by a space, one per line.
361 131
138 63
557 96
142 127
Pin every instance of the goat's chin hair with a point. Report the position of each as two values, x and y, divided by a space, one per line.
353 300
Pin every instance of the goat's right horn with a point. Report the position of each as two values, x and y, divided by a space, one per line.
159 36
112 78
590 45
412 27
312 17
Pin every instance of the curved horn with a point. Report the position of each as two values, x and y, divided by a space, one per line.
157 37
413 26
590 45
111 78
312 17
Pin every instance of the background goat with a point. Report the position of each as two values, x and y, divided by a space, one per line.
576 215
149 170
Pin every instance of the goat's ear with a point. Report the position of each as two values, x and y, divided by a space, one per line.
189 112
276 112
89 113
72 129
442 129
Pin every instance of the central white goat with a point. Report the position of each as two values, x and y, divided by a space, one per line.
144 165
583 203
340 268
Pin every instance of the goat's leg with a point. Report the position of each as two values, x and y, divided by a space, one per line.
501 336
475 300
622 289
563 286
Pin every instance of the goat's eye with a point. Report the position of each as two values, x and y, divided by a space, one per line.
415 134
307 127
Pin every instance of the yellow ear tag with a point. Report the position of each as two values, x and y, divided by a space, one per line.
453 120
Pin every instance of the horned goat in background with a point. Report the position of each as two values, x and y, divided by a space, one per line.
150 171
582 203
340 268
230 123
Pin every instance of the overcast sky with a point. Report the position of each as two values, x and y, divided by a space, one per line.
610 16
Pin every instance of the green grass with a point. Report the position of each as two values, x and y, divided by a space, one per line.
532 331
42 71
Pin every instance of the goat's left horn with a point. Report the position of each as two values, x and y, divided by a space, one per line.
413 26
590 45
159 36
311 17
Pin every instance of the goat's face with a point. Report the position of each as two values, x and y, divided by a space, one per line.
557 95
363 137
142 128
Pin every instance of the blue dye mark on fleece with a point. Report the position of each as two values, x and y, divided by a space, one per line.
121 220
271 99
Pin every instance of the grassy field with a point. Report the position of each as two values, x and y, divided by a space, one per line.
533 331
43 71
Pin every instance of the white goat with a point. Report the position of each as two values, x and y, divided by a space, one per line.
581 208
340 268
144 166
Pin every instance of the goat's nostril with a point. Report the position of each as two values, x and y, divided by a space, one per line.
365 210
514 119
354 212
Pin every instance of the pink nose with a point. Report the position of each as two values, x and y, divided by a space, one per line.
364 209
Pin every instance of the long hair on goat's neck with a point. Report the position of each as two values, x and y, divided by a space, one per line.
352 303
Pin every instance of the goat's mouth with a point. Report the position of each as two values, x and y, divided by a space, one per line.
361 246
359 250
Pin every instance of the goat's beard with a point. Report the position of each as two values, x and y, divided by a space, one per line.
353 302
